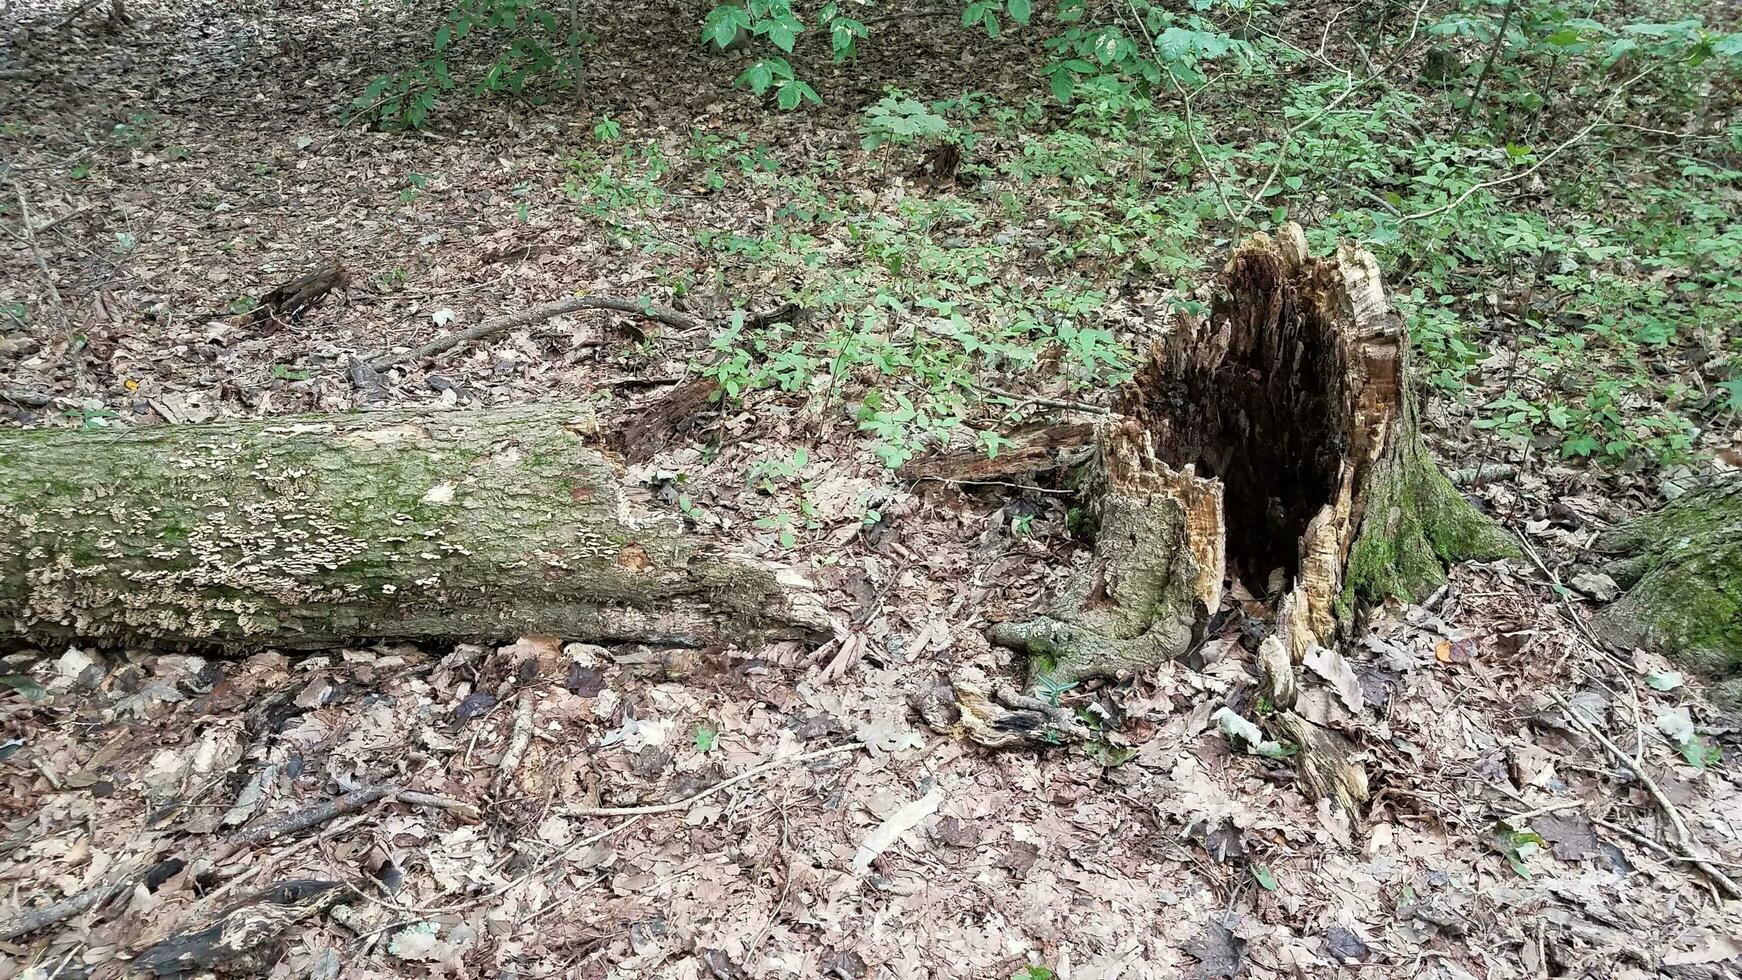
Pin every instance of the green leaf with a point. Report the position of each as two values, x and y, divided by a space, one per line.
1019 10
1062 85
706 738
1664 680
723 24
1734 388
31 690
1265 879
758 76
782 36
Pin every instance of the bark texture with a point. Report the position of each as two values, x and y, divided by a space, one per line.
316 531
1280 433
1682 568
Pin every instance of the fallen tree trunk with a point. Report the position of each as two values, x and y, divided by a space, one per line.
318 531
1681 567
1278 434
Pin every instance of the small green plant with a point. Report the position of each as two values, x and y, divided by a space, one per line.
416 183
1034 972
900 120
784 526
707 738
531 40
1051 689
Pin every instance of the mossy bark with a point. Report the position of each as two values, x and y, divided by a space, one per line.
316 531
1682 568
1413 526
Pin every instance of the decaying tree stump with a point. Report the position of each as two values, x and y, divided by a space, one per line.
1275 441
1280 433
1682 568
323 530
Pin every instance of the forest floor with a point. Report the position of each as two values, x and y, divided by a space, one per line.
174 171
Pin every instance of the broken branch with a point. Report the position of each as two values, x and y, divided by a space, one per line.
689 801
1684 838
537 314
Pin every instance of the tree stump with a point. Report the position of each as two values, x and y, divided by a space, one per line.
326 530
1280 433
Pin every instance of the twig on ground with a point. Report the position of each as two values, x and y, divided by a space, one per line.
517 742
1481 473
52 222
29 399
1513 818
303 819
492 327
459 808
36 251
689 801
63 910
1036 400
1684 837
84 901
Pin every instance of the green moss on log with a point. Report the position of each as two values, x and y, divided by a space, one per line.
318 530
1682 569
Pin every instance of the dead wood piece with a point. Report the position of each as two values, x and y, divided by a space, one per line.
247 937
296 297
1153 581
446 525
517 741
537 314
1481 473
58 912
29 399
653 427
692 800
1033 451
303 819
983 711
1279 433
940 163
1681 569
1327 764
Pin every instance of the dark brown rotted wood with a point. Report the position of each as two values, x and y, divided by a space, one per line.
1029 451
299 295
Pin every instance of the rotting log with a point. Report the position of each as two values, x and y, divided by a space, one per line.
323 530
1278 433
1681 567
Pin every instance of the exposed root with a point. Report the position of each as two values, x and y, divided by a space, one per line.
974 707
